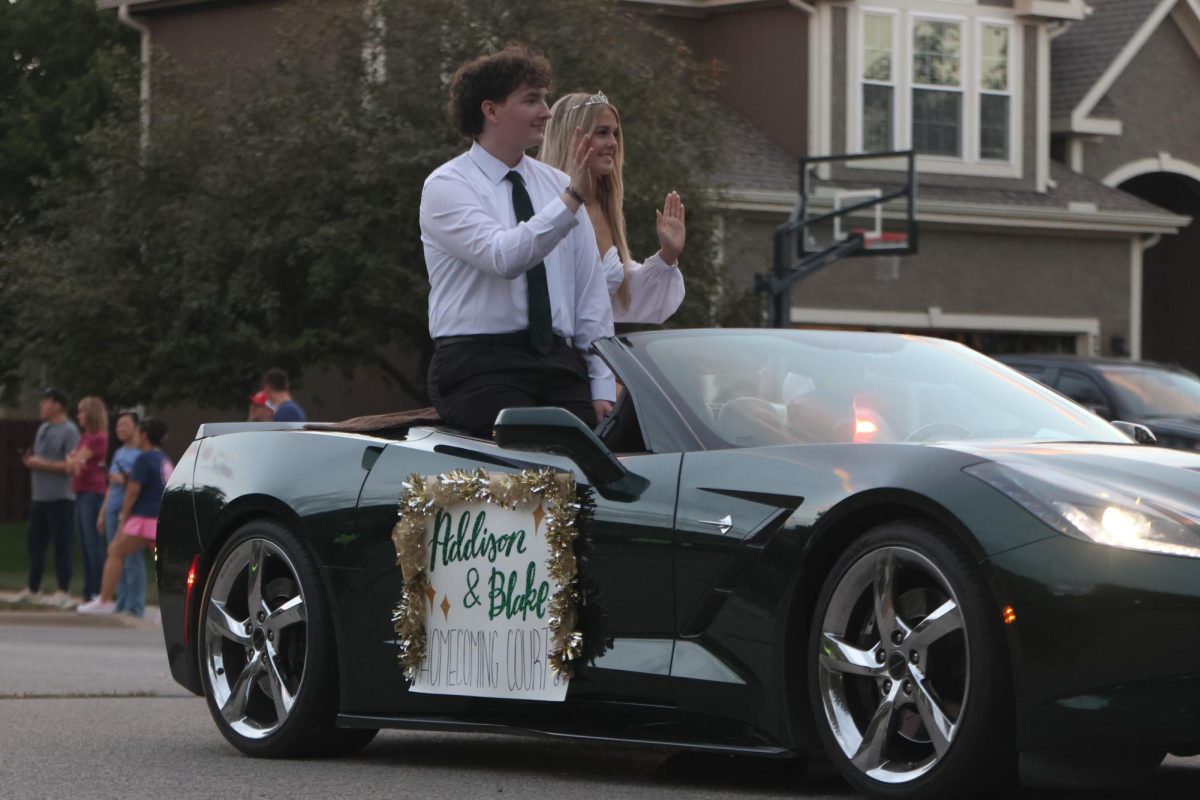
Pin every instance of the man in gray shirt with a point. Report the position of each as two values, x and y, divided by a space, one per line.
53 505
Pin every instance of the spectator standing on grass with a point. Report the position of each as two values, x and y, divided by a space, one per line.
53 501
131 591
86 464
279 397
137 525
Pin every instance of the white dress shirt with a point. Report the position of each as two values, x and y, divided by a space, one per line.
477 256
655 288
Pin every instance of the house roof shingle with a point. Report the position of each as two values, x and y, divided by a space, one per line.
1081 54
756 164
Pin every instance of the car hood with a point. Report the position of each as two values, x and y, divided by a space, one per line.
1138 470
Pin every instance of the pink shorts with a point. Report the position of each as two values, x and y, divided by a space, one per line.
145 527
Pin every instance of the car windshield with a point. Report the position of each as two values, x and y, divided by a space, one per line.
752 388
1155 393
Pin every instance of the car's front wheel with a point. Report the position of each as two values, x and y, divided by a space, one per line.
267 655
907 669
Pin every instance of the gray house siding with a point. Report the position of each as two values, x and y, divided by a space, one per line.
989 273
837 110
1029 118
749 45
217 35
758 42
747 245
1157 99
1021 273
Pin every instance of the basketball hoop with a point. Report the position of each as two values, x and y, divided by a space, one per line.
884 240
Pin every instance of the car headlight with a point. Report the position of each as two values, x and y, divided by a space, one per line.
1092 512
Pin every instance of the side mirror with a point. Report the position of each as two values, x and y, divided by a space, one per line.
1136 431
558 431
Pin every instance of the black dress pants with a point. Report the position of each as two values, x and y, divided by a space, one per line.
474 380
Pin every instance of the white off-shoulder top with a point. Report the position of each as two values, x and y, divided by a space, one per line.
655 288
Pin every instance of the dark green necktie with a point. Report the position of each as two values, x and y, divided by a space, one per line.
541 330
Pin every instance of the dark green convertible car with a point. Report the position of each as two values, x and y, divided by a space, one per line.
885 548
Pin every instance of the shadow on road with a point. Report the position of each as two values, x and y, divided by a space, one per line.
733 775
611 764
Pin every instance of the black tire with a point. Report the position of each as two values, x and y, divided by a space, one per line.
925 709
270 676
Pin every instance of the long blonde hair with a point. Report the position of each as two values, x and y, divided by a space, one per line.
95 414
581 110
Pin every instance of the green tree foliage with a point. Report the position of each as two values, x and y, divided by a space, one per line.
60 64
273 217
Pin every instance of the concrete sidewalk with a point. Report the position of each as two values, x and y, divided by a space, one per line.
14 612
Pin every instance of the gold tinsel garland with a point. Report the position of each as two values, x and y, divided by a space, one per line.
420 497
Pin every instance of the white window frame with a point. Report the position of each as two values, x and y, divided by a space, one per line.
981 23
972 19
894 83
964 73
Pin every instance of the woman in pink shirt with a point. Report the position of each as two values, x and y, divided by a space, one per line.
87 466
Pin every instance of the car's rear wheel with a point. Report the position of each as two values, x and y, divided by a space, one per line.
267 656
907 670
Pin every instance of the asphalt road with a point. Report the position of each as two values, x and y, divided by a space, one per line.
91 712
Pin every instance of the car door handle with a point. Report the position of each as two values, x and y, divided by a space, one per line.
723 524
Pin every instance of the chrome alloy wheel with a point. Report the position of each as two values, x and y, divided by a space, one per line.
255 638
893 664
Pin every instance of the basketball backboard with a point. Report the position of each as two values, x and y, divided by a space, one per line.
849 206
871 195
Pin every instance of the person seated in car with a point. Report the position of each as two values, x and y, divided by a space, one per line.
821 416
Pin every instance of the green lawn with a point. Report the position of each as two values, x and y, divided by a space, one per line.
14 564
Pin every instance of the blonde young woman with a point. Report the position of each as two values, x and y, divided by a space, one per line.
87 467
649 291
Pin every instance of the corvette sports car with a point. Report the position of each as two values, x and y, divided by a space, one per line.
888 549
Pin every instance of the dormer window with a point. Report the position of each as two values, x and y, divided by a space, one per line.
936 76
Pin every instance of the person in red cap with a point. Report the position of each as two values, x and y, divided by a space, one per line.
259 410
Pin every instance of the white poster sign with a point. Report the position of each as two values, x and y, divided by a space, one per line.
488 604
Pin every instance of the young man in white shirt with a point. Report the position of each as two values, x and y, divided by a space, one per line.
517 295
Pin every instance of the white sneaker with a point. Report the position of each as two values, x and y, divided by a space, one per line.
97 606
60 599
27 595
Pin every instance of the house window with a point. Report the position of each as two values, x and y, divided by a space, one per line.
878 88
937 97
994 97
941 77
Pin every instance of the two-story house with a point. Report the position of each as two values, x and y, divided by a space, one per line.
1058 162
1039 227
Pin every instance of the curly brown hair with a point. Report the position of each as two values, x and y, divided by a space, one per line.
493 77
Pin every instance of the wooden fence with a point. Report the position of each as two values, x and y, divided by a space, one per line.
15 436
